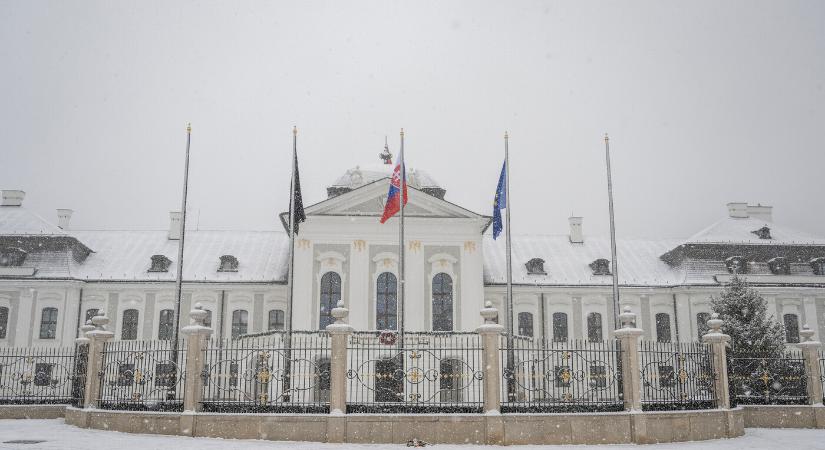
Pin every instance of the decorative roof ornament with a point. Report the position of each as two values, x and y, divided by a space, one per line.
763 233
386 156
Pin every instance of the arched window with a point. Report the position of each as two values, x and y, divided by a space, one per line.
166 324
130 324
442 302
525 324
594 327
791 328
386 304
702 324
330 296
240 323
663 327
276 319
560 327
48 323
4 321
91 312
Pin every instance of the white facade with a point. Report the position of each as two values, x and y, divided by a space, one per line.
669 282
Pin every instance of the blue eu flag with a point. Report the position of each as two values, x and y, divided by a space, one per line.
500 202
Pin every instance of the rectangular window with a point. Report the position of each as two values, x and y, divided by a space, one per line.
559 327
240 323
525 324
276 320
4 321
166 325
48 323
594 327
791 328
130 325
663 327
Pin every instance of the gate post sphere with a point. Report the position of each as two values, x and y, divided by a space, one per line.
197 335
628 335
490 333
97 338
718 342
339 334
810 350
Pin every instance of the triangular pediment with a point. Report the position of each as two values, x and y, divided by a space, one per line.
369 200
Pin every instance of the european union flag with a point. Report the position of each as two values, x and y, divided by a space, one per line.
500 202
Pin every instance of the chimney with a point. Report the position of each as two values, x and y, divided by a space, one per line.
63 218
761 212
738 210
174 225
576 236
13 197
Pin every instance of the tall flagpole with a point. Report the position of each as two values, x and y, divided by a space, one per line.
290 272
179 278
509 321
400 309
613 262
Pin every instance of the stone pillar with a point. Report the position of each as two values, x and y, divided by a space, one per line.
628 336
810 350
490 334
94 369
197 337
718 342
339 333
81 364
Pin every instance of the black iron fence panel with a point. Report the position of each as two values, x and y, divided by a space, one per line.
768 379
560 376
36 375
427 372
81 362
268 373
142 375
676 375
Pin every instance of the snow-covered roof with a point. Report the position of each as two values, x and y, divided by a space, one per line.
19 221
125 255
739 230
567 263
368 173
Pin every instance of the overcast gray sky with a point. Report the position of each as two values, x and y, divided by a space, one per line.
705 101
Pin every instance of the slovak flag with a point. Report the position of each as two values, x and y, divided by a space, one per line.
399 179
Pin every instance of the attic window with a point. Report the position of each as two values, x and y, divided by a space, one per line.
779 266
736 265
600 266
229 263
818 265
160 263
12 257
535 267
763 233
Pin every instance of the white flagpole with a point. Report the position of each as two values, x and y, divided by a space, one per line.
509 299
613 262
287 383
400 307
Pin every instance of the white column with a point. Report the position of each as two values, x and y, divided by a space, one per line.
810 350
197 337
719 344
629 336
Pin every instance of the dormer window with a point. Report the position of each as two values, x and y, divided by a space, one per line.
600 266
736 265
229 263
12 257
160 263
818 265
779 266
763 233
535 267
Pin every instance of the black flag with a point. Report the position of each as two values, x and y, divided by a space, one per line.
298 216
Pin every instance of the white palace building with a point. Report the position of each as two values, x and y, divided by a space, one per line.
54 277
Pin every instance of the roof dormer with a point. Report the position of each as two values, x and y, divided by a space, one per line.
160 263
736 265
779 266
818 265
228 263
535 267
763 233
600 266
12 257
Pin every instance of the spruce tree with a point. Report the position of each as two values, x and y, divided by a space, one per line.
745 318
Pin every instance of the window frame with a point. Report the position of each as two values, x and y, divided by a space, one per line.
276 324
526 323
50 323
442 302
328 298
595 328
792 332
557 330
4 321
386 320
131 326
166 326
240 322
662 319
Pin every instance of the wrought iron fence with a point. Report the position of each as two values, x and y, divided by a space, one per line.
36 375
676 375
142 375
427 372
569 376
822 373
768 379
263 374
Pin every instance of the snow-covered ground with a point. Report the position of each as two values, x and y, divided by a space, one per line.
57 435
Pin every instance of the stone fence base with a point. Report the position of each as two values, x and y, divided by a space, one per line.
32 411
784 416
509 429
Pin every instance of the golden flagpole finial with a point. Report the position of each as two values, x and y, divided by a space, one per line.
506 135
606 138
402 132
295 131
189 128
